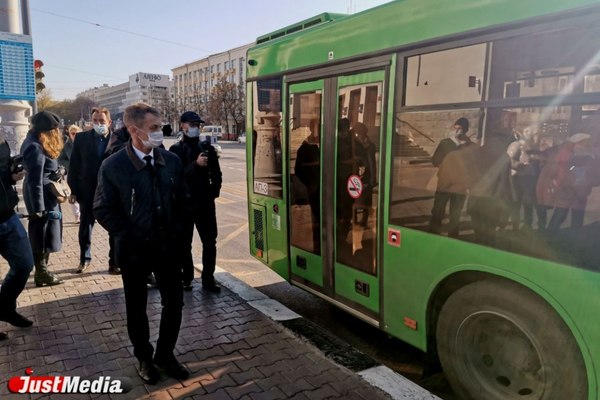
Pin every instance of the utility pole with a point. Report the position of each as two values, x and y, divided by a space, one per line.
15 41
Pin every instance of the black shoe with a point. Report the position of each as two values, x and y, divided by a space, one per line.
114 270
82 267
187 286
15 319
148 373
46 279
172 368
151 281
211 287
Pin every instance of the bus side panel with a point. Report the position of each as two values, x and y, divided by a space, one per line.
407 289
267 216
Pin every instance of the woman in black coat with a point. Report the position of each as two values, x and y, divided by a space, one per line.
40 151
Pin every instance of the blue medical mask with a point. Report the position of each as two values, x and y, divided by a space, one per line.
193 132
155 139
100 129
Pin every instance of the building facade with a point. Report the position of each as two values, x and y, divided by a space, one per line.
193 82
153 89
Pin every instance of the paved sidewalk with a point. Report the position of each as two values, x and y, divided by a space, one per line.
232 350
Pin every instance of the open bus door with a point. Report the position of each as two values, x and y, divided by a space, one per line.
334 131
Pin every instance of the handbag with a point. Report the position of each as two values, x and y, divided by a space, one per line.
58 186
60 190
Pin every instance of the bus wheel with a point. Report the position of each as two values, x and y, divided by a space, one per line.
499 341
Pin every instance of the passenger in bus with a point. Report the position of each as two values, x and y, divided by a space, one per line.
524 175
308 171
365 168
490 194
566 181
451 187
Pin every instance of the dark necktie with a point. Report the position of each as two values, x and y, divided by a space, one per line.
149 165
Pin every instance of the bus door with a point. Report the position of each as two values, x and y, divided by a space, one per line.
334 132
305 127
360 118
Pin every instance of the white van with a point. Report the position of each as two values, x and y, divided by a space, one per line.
214 130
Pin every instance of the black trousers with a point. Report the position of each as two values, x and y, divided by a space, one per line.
438 211
205 220
168 277
86 226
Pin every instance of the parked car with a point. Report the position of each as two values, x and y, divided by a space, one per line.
242 138
214 130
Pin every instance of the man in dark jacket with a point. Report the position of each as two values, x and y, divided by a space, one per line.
203 178
89 150
14 244
139 201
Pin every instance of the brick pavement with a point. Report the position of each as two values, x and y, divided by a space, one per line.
232 350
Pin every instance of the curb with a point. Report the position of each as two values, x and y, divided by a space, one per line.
379 376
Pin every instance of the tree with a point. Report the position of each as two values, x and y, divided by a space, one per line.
226 103
44 100
71 111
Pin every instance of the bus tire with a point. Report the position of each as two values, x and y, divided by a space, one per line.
497 340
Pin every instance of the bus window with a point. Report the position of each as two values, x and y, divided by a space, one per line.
449 76
546 64
526 186
305 171
423 177
266 156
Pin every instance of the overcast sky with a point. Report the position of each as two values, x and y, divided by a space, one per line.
152 35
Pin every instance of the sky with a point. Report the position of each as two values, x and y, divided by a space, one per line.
85 43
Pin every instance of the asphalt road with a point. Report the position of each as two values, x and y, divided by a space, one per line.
233 256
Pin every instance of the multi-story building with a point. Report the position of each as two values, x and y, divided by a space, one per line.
154 89
194 81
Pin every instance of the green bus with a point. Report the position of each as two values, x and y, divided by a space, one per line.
433 168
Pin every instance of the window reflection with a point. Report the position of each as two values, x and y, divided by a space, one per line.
266 138
305 171
357 175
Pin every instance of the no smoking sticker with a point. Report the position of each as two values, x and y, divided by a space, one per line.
354 186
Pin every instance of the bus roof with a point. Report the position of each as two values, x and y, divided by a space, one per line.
298 26
390 26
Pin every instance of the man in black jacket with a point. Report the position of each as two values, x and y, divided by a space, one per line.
89 150
14 244
139 201
203 178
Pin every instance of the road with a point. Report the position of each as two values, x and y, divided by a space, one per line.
233 256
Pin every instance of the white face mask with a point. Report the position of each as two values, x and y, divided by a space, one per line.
155 139
100 129
193 132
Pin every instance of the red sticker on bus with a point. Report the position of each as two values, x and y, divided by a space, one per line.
354 186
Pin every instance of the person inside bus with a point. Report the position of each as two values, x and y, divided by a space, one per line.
451 184
308 171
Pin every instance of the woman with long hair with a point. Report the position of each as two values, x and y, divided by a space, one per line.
40 150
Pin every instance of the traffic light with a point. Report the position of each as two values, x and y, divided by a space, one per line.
39 76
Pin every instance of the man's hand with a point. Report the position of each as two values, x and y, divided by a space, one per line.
18 176
202 160
72 199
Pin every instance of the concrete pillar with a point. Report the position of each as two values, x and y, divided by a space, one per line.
15 113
